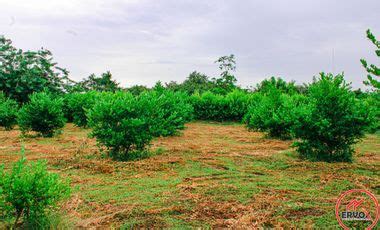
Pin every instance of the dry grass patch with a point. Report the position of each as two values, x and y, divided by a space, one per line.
213 175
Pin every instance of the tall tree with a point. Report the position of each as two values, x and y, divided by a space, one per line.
227 80
197 82
25 72
373 71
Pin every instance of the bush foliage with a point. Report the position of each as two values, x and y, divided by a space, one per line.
373 70
373 102
171 111
42 114
121 123
76 106
334 122
28 191
238 102
104 83
209 106
275 113
8 112
216 107
124 123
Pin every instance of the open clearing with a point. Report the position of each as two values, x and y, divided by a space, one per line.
212 175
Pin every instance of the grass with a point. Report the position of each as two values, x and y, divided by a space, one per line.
213 175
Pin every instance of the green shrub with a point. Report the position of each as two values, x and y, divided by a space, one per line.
67 111
334 122
43 114
125 124
237 103
77 104
275 113
217 107
121 123
373 103
209 106
8 112
28 191
171 111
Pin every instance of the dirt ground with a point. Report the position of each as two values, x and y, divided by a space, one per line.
211 175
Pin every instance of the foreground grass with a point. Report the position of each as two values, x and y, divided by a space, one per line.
214 175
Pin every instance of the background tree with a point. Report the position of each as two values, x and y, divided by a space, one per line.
227 81
102 83
174 86
282 86
137 89
373 71
23 73
197 82
159 87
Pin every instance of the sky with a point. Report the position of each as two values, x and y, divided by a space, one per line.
142 42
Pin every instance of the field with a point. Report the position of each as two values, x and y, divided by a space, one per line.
212 175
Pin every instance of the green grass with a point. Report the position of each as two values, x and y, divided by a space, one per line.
183 188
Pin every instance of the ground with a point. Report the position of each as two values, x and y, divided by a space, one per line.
211 175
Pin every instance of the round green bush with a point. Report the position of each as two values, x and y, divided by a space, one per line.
335 121
28 191
126 124
275 113
42 114
171 111
8 112
121 123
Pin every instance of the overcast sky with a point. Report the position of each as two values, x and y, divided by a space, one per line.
142 42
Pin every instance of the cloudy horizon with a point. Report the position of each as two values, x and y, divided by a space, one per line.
142 42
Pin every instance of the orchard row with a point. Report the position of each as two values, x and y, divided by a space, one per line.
325 121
